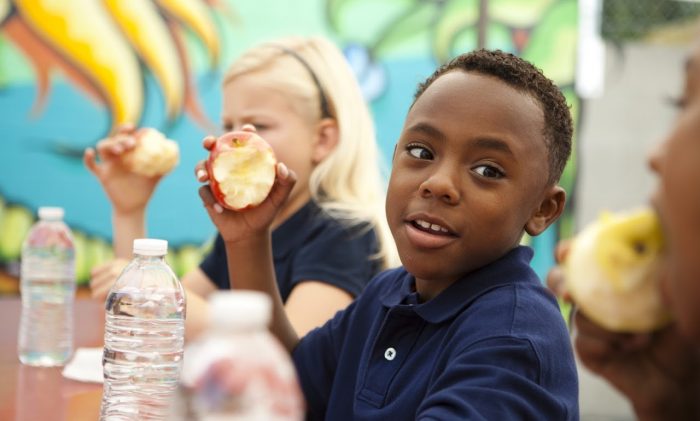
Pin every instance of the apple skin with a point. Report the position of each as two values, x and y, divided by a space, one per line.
251 176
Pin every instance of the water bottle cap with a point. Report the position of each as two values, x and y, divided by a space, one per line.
150 247
51 213
239 309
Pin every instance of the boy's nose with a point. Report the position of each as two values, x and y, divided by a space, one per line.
440 187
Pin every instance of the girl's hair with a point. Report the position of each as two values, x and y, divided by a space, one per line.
348 183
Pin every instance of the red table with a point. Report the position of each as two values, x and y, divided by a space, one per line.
31 393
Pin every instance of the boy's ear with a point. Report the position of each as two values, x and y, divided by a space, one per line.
551 207
327 136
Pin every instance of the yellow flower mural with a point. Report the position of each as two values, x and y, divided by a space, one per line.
99 46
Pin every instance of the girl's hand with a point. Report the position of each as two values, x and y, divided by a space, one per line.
127 192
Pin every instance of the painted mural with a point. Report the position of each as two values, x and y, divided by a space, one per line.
71 70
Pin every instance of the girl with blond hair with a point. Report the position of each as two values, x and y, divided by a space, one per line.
330 237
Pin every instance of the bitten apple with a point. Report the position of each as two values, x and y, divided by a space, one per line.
242 168
153 155
613 269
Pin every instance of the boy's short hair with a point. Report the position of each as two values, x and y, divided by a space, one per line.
525 77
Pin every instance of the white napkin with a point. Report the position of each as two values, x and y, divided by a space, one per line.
86 366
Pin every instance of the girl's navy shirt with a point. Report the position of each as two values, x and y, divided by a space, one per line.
492 346
311 245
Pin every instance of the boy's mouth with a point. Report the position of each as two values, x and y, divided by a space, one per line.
431 228
425 234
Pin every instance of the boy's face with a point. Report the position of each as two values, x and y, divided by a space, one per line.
469 171
677 163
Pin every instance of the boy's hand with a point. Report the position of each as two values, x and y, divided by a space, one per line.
127 191
658 372
235 226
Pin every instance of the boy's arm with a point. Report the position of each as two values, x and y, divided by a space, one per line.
247 236
254 270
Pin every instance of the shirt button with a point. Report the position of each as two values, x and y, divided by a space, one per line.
390 354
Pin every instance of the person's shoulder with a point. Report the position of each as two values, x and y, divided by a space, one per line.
518 300
330 233
522 311
318 231
499 281
333 223
517 304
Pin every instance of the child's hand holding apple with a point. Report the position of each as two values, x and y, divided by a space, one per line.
247 186
131 162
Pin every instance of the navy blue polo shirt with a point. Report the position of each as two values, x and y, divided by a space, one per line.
492 346
311 245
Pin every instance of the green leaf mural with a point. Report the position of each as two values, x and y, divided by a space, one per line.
15 223
518 13
552 45
456 17
411 27
358 21
497 37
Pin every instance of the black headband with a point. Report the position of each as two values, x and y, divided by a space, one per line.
325 108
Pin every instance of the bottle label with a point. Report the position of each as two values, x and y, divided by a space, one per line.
45 264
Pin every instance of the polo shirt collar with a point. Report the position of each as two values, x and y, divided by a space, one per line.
289 234
514 266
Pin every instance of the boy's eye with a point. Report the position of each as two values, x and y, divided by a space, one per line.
488 171
419 152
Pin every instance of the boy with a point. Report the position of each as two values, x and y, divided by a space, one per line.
464 330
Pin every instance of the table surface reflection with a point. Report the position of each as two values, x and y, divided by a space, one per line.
31 393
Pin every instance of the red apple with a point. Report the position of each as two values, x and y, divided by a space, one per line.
153 155
241 169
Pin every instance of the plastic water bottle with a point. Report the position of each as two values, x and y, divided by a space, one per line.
47 287
237 370
144 337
